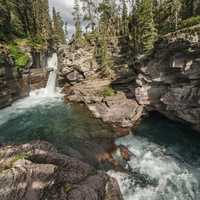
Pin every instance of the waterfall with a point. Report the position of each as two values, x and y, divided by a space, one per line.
50 89
44 96
51 83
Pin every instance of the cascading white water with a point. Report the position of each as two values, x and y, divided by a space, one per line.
155 174
50 89
51 84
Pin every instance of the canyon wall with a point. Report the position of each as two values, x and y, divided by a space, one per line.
168 80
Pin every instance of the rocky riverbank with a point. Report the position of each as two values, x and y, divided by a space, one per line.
83 83
38 171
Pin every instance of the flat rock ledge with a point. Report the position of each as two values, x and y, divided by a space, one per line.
36 171
111 106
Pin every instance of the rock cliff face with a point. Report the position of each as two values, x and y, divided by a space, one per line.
37 171
169 79
14 84
76 64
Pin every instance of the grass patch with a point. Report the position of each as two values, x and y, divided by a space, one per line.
38 43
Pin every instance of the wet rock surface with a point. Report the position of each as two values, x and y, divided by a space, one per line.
37 171
38 78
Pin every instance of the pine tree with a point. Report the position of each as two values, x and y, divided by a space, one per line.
77 20
44 25
5 19
187 9
170 11
134 36
124 18
89 9
146 26
196 5
66 30
105 10
59 35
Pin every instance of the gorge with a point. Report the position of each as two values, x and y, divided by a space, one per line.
109 113
159 167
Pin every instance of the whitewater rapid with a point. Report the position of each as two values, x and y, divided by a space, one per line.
157 172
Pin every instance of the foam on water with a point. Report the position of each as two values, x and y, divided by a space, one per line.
155 175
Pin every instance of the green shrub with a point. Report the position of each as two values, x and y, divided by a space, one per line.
20 58
192 21
108 92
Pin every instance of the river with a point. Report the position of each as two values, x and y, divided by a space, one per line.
165 162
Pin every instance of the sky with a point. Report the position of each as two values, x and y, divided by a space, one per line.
65 7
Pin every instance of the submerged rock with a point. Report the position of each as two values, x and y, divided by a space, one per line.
37 171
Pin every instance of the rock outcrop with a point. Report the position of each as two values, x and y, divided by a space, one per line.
169 79
83 82
105 103
37 171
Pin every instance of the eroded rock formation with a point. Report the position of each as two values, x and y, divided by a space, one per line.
109 105
169 79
